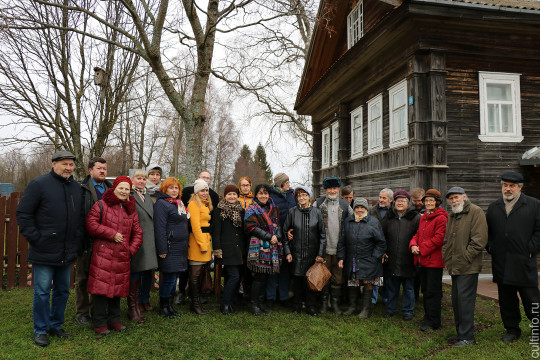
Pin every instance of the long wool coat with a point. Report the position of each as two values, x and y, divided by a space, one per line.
146 257
229 238
110 265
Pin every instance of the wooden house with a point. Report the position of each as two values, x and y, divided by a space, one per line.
424 93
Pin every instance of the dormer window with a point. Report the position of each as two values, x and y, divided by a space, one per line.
355 24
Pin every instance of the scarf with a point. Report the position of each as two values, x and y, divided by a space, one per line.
181 208
231 211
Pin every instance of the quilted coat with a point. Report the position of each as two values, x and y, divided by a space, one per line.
110 266
171 234
284 201
429 238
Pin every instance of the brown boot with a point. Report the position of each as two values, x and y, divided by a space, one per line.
194 287
133 301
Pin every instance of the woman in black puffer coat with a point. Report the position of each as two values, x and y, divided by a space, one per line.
305 247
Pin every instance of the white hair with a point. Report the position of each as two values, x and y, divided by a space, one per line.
388 192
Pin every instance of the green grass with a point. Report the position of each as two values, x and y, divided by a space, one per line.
281 335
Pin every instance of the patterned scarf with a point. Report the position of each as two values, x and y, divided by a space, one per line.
263 257
231 211
181 208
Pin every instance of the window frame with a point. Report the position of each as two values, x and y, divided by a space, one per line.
358 26
400 86
512 79
358 112
334 150
372 102
325 158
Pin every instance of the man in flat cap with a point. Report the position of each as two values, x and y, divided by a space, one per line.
513 242
465 238
49 216
335 210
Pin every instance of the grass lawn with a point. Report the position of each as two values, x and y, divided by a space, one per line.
281 335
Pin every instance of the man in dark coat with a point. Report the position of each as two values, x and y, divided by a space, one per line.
48 216
464 240
513 242
92 188
188 190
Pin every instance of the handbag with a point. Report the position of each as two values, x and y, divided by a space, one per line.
206 278
318 276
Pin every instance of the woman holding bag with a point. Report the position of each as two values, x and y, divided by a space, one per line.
304 247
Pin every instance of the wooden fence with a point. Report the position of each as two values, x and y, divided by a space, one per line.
16 271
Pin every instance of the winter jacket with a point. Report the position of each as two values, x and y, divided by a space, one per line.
465 239
284 201
398 233
199 238
376 212
146 257
309 238
364 242
188 191
49 215
89 198
228 238
171 235
514 241
246 200
429 238
110 265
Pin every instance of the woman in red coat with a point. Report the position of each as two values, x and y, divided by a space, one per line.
426 246
114 224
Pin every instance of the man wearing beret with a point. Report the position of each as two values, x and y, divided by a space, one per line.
465 238
48 216
335 210
513 242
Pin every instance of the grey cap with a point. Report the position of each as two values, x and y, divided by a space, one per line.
63 154
360 202
304 188
455 190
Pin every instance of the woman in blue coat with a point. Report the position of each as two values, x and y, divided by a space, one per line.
172 236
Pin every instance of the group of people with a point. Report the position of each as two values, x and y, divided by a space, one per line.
118 233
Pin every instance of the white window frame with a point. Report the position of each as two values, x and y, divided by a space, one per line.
355 28
393 111
485 78
325 159
378 122
357 113
335 143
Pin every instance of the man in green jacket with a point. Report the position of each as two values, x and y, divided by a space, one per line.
465 238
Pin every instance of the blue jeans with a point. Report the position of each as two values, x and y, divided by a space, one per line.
392 285
231 284
50 316
281 281
167 288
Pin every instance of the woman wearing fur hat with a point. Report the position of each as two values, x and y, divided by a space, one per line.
171 236
265 252
245 195
361 247
114 224
306 247
426 245
200 247
228 242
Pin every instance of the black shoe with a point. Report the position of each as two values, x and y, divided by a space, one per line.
452 338
389 315
180 299
59 333
226 309
312 312
462 343
426 327
297 310
508 338
407 317
41 340
83 320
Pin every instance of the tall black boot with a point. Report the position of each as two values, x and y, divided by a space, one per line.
172 311
324 298
366 302
262 299
254 305
334 299
352 293
164 308
194 287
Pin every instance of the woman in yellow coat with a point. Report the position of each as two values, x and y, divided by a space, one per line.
200 246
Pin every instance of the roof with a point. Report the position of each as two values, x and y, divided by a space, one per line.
531 157
507 5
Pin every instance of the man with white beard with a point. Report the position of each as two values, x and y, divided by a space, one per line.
513 242
465 238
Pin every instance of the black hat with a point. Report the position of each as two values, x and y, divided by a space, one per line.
455 190
331 182
512 176
63 154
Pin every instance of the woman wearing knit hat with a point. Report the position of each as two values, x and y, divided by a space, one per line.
306 247
360 250
200 247
245 196
426 245
114 224
228 243
171 236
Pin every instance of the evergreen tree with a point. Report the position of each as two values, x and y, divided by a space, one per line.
260 160
245 166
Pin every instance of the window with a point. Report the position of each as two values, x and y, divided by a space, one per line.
355 25
375 124
397 95
325 148
500 107
356 132
335 143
